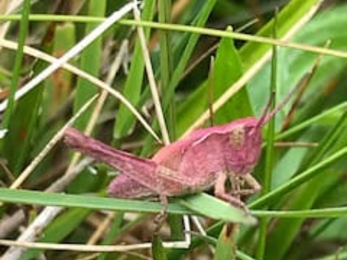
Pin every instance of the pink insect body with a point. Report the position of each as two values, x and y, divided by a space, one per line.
190 165
206 158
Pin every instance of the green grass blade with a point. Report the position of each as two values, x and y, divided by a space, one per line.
134 82
298 180
60 228
158 251
269 153
91 63
18 143
24 26
185 48
226 244
217 209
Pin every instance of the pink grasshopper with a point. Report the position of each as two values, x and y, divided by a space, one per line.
206 158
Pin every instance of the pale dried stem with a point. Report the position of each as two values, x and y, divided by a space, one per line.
8 7
110 77
102 227
151 80
7 171
87 248
32 232
22 177
202 231
11 222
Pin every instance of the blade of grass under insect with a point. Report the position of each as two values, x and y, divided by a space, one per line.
24 25
90 62
216 209
132 88
89 202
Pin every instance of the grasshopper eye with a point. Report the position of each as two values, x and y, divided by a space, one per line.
237 137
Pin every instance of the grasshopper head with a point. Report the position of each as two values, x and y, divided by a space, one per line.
244 145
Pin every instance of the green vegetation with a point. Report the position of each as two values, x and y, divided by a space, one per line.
301 210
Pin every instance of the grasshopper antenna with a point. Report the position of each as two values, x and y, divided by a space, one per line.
266 116
263 119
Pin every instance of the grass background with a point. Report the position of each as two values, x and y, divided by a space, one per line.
301 209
